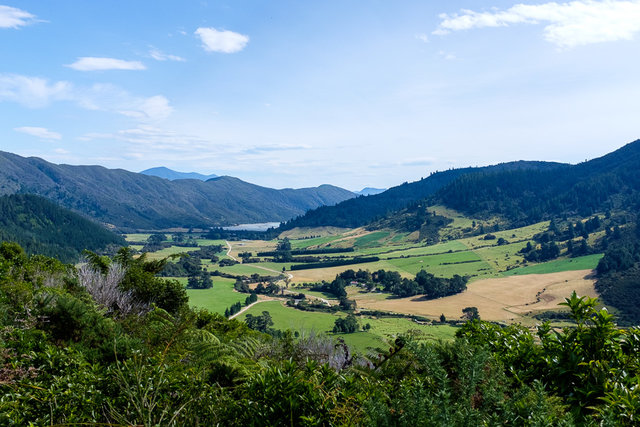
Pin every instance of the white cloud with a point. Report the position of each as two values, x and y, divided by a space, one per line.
422 37
90 63
39 132
446 55
158 55
567 24
32 92
221 41
36 92
11 17
153 108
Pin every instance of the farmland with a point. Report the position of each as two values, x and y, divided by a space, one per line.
503 286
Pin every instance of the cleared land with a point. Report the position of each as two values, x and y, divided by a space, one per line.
507 299
382 329
217 298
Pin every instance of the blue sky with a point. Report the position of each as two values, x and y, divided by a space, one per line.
295 94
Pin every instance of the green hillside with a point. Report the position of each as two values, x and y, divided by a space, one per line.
41 226
364 209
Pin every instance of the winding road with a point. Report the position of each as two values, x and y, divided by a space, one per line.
289 277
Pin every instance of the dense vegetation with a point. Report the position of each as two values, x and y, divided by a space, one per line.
137 201
390 281
41 226
138 355
527 196
364 209
619 272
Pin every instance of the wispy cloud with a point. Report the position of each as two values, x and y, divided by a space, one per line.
91 63
566 24
33 92
39 132
259 149
221 41
11 17
36 92
422 37
419 161
158 55
150 139
447 55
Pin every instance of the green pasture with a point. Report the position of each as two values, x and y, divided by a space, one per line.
172 250
137 237
216 299
381 329
315 241
586 262
371 239
210 242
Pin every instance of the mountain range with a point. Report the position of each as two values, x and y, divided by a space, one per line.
171 175
522 192
131 200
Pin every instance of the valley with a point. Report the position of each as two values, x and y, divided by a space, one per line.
502 285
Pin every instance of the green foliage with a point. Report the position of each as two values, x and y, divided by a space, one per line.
346 325
64 361
259 323
41 226
619 273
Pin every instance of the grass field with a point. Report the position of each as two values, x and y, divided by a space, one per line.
506 299
385 328
137 237
216 299
371 239
588 262
172 250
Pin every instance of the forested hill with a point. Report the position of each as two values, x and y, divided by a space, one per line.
137 201
364 209
525 196
42 227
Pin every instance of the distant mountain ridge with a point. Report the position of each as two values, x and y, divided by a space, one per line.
130 200
171 175
369 191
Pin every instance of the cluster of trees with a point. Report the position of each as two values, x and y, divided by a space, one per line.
390 281
72 354
346 325
202 281
260 323
190 263
546 252
237 306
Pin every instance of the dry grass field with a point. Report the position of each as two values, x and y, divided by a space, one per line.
507 299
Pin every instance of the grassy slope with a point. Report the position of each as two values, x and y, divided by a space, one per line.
381 329
216 299
567 264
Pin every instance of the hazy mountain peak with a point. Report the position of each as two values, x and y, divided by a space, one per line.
369 191
171 175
